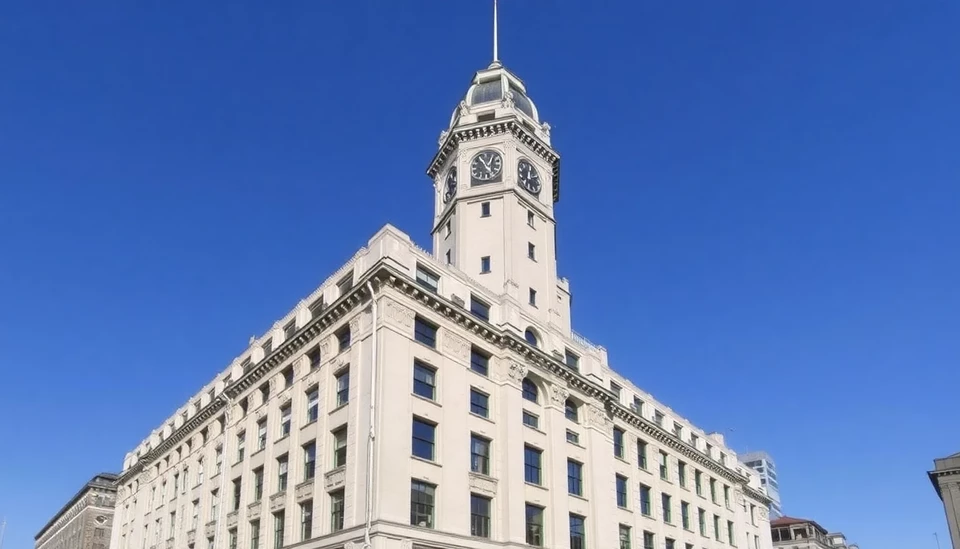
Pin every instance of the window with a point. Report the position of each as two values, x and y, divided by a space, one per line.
668 543
285 421
637 405
427 279
621 491
753 514
479 403
713 490
447 255
261 434
694 440
288 377
533 297
570 410
574 478
716 527
340 447
578 539
531 465
485 264
479 309
268 347
446 230
685 515
698 482
232 543
624 536
254 534
336 510
726 496
479 455
702 518
424 380
343 387
647 540
237 493
289 330
677 430
199 471
313 405
479 361
534 525
615 389
343 338
571 360
645 500
424 435
306 520
731 538
529 390
422 496
573 437
756 542
218 463
484 209
530 218
283 466
667 512
531 251
618 449
345 284
173 523
479 516
682 473
309 461
313 356
531 420
531 337
258 484
176 483
641 454
664 468
425 332
278 520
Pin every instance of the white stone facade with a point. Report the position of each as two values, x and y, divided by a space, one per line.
410 353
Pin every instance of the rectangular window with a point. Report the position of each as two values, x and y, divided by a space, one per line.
664 469
283 466
425 332
624 536
578 536
648 540
289 330
199 471
258 484
665 504
530 218
309 461
621 491
641 454
484 209
447 256
313 356
278 524
479 455
682 473
424 437
306 520
677 430
753 514
232 539
343 387
645 500
485 264
668 544
261 434
427 279
422 497
218 463
531 420
479 361
713 490
237 493
731 538
702 519
534 525
698 482
531 465
479 403
533 297
285 421
618 449
313 405
531 251
615 389
424 380
716 527
343 338
268 347
571 360
658 417
288 377
574 477
254 534
340 447
685 515
726 496
637 406
336 510
479 309
479 516
345 284
573 437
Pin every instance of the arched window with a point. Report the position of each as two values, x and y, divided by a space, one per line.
531 337
570 410
529 390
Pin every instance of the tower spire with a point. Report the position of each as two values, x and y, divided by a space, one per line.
496 38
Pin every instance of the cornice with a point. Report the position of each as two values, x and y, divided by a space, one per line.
757 495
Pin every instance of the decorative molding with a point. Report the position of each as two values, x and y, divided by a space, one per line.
210 529
598 417
397 314
558 395
763 513
335 479
304 490
277 500
355 325
325 346
233 517
406 544
483 484
253 510
455 345
517 371
738 497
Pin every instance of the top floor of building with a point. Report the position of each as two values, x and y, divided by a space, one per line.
99 492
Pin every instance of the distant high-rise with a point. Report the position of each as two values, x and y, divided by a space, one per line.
763 464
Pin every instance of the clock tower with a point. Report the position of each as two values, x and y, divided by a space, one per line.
496 180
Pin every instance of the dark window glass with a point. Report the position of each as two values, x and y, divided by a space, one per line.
531 465
578 537
425 332
479 516
574 478
422 497
479 455
424 380
479 403
423 439
529 390
479 361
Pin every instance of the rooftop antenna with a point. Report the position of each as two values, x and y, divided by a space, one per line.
496 45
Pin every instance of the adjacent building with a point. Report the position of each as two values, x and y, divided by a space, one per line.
763 464
85 522
946 481
795 533
441 399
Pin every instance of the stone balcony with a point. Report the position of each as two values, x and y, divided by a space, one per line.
233 517
335 479
304 491
277 500
209 529
253 510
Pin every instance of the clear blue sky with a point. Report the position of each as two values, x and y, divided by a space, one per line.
759 215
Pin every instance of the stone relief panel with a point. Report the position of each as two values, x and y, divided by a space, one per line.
455 345
738 497
355 324
397 314
516 372
558 395
304 490
763 513
598 417
335 479
483 485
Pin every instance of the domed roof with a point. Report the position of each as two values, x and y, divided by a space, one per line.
497 84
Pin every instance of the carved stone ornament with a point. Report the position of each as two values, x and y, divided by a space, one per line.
277 501
398 315
325 346
443 137
121 492
738 497
546 128
517 372
455 345
598 417
763 513
508 100
558 395
352 545
335 479
304 490
339 362
406 544
146 476
273 385
355 325
462 107
484 485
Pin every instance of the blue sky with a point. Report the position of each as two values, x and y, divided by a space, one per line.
759 213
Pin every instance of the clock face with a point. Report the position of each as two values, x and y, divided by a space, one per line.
486 166
451 185
527 177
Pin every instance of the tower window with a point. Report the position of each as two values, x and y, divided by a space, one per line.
533 297
484 209
486 117
484 264
531 251
529 218
448 256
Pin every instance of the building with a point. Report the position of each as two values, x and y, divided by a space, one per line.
946 481
794 533
763 464
86 520
440 400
